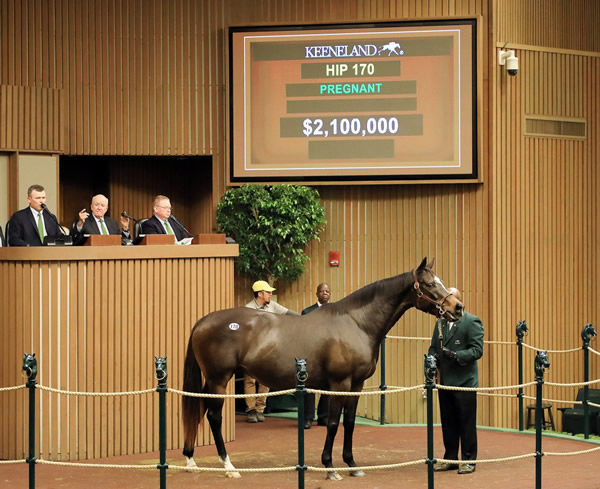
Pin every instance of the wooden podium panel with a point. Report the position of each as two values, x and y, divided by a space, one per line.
103 240
209 238
95 316
158 239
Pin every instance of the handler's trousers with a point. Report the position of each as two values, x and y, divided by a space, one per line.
251 386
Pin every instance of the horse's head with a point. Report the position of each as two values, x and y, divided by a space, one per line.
430 367
30 365
541 363
433 297
160 364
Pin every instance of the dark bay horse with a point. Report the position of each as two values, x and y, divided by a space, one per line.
340 342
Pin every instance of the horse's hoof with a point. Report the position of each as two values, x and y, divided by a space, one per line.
231 473
190 463
357 473
334 476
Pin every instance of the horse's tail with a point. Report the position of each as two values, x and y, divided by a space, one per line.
192 407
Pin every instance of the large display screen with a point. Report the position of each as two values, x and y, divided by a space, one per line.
374 102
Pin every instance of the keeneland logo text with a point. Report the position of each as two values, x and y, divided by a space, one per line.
353 51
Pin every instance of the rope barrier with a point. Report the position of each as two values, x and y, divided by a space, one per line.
551 351
97 466
580 452
14 388
223 469
92 394
18 461
231 396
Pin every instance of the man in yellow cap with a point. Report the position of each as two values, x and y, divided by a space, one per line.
255 406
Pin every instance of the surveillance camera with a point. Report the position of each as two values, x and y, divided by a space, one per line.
512 65
507 58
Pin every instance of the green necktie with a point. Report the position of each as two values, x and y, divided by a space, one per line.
104 231
41 227
168 228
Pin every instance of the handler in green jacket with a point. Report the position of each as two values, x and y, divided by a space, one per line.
457 346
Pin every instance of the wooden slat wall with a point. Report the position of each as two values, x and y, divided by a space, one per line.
150 79
95 326
544 229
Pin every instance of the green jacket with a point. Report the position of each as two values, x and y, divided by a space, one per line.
466 339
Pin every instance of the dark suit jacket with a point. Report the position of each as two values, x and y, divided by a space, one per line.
154 226
23 230
466 339
310 308
90 227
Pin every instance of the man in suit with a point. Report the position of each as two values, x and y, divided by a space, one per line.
458 345
99 222
323 296
29 226
162 222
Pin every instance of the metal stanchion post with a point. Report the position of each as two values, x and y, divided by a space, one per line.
30 368
301 376
382 387
430 369
161 375
541 363
520 330
586 333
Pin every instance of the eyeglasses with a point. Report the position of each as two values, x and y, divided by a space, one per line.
165 207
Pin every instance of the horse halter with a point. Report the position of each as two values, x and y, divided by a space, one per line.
438 304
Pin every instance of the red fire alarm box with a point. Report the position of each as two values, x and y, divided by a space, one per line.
334 258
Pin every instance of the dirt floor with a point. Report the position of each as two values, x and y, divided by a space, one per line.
274 444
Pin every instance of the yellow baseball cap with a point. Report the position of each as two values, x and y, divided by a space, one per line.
261 285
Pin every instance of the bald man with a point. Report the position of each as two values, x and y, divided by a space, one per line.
97 222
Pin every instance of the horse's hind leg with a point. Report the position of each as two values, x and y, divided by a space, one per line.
214 414
333 421
349 421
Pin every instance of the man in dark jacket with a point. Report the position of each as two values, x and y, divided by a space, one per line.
323 296
98 222
162 222
29 226
458 345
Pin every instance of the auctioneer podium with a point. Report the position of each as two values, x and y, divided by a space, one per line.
95 316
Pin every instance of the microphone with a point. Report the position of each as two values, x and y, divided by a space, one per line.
45 207
189 235
124 214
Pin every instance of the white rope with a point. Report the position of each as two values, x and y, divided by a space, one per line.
97 466
419 338
3 462
486 461
477 389
593 351
237 469
100 394
580 452
551 351
573 384
14 388
365 467
231 396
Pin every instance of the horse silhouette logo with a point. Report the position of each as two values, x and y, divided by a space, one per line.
391 47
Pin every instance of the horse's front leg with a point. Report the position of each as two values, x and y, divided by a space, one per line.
214 415
333 421
349 421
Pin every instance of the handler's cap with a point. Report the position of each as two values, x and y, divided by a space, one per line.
261 285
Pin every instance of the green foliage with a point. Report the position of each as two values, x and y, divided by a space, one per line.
272 226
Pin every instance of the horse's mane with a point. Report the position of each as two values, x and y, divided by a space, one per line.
367 294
